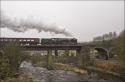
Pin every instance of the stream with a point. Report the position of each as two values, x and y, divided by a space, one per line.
44 75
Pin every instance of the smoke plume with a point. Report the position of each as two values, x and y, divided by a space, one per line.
24 25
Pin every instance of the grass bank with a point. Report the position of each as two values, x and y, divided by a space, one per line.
105 72
20 78
110 65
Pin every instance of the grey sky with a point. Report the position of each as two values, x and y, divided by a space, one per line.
83 19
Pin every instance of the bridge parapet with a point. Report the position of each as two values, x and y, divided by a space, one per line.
52 47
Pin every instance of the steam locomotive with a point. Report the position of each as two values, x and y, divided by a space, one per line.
64 41
40 41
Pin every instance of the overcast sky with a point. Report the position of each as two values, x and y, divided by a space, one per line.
83 19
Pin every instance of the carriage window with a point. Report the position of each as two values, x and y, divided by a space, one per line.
5 39
28 40
32 40
24 40
1 40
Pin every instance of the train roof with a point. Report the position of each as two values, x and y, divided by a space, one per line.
16 38
33 38
58 38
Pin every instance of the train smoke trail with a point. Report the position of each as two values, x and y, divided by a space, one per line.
24 25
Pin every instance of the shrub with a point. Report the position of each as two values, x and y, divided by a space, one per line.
10 60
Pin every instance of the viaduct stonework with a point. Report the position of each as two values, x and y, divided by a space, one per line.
36 44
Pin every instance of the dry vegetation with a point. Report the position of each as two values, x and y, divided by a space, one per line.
67 67
110 65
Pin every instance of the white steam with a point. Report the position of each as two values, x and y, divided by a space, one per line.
24 25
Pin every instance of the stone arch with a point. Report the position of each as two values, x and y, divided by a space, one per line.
103 53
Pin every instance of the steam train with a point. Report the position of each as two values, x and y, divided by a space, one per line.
64 41
40 41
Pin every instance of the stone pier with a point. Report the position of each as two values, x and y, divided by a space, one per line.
49 59
56 52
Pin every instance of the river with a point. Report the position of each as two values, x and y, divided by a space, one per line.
44 75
